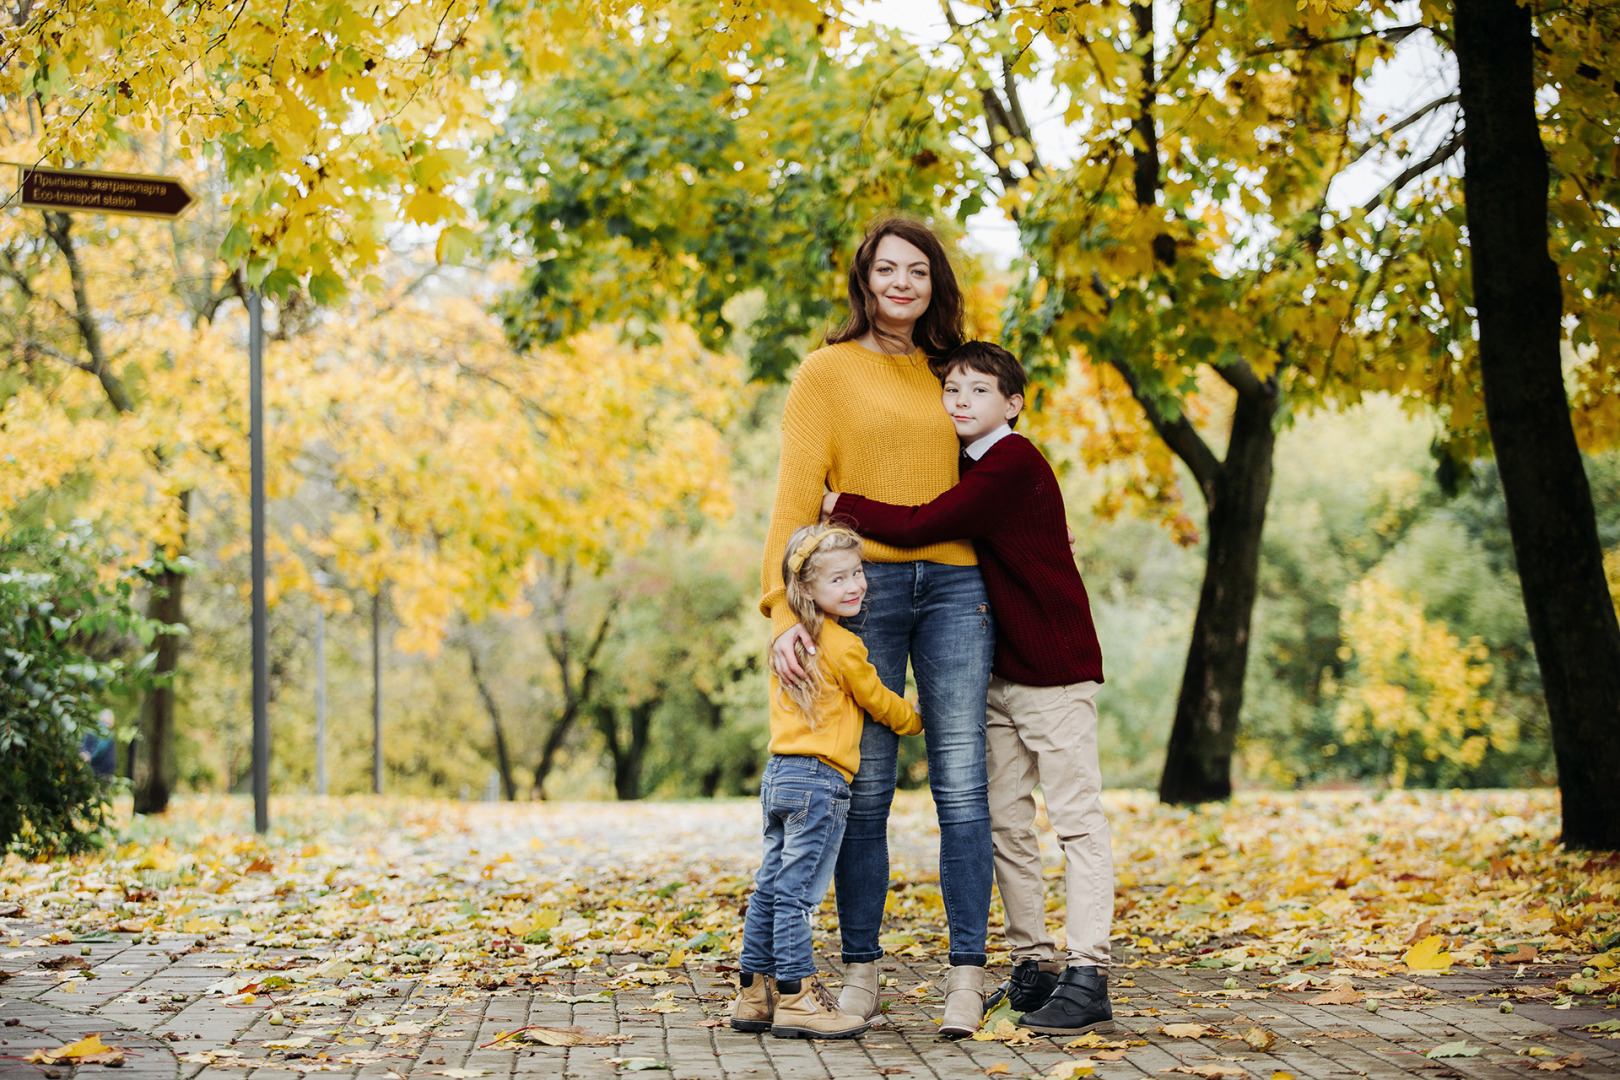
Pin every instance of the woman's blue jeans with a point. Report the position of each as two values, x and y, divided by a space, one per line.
804 802
939 617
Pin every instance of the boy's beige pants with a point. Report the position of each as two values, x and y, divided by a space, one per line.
1048 735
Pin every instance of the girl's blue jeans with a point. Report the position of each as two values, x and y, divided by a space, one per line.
805 803
939 617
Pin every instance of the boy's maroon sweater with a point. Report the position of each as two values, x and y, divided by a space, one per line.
1009 505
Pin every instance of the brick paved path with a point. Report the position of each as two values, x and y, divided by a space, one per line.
152 997
152 1001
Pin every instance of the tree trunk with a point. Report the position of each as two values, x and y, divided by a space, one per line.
1198 759
710 782
153 770
629 752
548 753
576 693
1518 298
503 760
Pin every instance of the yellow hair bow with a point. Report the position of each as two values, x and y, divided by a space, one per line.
796 560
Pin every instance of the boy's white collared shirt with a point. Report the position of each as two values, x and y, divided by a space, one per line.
981 446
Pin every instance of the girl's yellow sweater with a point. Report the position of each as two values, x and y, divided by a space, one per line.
869 424
856 688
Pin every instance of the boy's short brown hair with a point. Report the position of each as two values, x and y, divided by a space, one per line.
987 358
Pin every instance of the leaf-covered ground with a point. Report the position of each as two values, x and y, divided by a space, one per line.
487 894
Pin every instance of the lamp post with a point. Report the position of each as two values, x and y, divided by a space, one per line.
322 579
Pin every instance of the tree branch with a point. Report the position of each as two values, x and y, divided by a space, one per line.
1240 377
1393 33
1442 154
59 228
1382 138
45 350
1178 434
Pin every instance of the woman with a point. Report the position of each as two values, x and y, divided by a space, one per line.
863 415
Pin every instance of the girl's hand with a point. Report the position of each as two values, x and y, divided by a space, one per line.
829 503
784 661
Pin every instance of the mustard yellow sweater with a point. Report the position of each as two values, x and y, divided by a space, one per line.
868 424
858 687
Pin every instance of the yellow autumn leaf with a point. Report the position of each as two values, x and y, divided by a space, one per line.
1426 955
1065 1070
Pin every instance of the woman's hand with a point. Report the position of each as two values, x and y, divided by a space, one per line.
785 661
829 503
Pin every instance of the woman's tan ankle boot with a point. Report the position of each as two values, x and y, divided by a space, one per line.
809 1011
859 997
964 1001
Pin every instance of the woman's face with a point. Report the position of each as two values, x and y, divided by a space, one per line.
900 280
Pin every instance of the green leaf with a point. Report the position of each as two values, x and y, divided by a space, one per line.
326 288
1460 1048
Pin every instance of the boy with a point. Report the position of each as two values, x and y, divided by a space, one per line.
1041 722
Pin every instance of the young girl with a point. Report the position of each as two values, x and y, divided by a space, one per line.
815 749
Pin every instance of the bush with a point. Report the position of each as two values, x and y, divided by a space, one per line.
62 625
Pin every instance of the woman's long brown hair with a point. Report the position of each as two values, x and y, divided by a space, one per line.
939 330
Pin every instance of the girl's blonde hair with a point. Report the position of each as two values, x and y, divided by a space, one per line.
807 548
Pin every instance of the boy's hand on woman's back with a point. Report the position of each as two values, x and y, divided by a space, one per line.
829 503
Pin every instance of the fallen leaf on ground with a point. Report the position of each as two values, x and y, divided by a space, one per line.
569 1036
1188 1031
638 1064
1004 1031
60 963
288 1044
1093 1041
1000 1068
1573 1061
89 1050
1212 1071
1067 1070
1259 1038
1339 995
1460 1048
1524 954
461 1074
1426 955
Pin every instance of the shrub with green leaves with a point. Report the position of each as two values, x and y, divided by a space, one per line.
70 641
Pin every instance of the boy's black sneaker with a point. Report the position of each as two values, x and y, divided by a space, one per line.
1031 984
1079 1003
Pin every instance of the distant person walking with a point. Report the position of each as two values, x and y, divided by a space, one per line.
99 749
863 416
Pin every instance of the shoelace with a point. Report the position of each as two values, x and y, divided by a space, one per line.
823 995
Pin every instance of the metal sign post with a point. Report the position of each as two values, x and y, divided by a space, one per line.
261 664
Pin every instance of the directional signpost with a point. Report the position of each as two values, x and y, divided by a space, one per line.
103 192
85 191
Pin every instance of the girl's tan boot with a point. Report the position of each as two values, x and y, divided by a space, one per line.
755 1002
809 1011
964 1001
